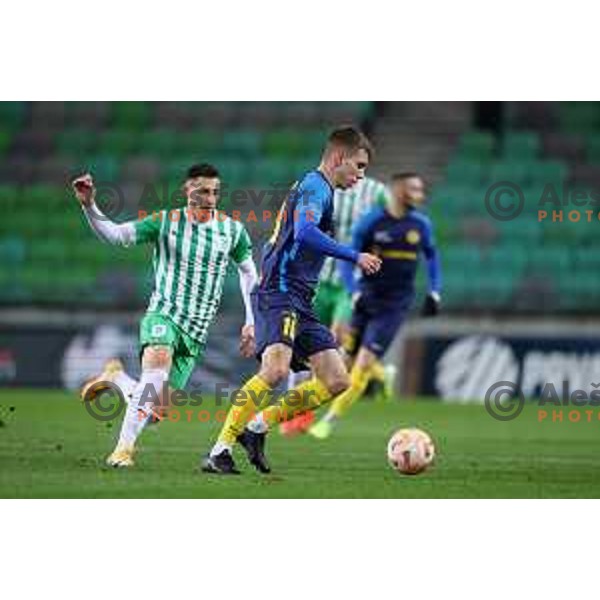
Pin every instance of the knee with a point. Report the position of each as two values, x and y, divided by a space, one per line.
274 373
338 383
157 357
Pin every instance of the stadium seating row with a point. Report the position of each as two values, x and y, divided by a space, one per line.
249 143
179 115
59 169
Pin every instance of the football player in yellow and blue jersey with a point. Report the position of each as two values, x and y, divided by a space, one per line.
288 332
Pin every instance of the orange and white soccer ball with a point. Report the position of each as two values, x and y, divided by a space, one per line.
410 451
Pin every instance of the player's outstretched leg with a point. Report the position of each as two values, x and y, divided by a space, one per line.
331 379
113 373
156 363
359 379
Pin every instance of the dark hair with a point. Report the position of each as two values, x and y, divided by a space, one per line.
405 175
350 139
202 170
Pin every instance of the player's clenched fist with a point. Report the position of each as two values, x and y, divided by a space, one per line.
369 263
84 189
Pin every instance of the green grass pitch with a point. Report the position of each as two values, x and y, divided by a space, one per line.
51 448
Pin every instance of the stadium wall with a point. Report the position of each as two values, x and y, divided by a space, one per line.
459 360
450 359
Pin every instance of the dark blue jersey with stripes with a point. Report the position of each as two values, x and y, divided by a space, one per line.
294 255
400 243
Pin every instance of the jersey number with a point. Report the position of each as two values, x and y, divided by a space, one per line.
289 324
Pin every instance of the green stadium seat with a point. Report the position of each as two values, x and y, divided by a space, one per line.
284 144
76 142
50 252
466 174
520 146
159 142
593 149
549 172
117 142
131 115
104 168
197 145
448 202
461 256
175 169
301 165
88 115
42 196
5 140
10 197
241 143
578 294
525 229
579 117
234 172
554 259
12 250
274 173
495 286
476 146
513 172
510 256
37 279
12 114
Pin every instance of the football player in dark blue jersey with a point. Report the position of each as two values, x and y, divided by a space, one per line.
288 333
400 235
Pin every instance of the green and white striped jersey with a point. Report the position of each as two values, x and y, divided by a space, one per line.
190 264
348 207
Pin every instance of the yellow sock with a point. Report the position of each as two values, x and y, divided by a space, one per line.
359 379
378 371
251 398
308 395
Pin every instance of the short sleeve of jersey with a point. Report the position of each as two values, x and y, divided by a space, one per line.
147 230
243 248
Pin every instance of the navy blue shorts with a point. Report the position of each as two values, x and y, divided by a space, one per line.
374 325
281 320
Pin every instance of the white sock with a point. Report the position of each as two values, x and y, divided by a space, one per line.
139 410
257 424
220 447
126 383
295 379
330 418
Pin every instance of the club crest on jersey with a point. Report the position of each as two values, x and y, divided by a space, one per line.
413 237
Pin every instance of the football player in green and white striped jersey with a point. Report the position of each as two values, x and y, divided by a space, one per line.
192 249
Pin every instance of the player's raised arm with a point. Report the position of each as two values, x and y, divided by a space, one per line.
122 234
434 273
306 231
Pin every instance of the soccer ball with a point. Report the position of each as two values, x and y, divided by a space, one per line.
410 451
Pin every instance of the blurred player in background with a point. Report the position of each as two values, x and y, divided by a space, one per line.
288 332
333 303
192 248
398 234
